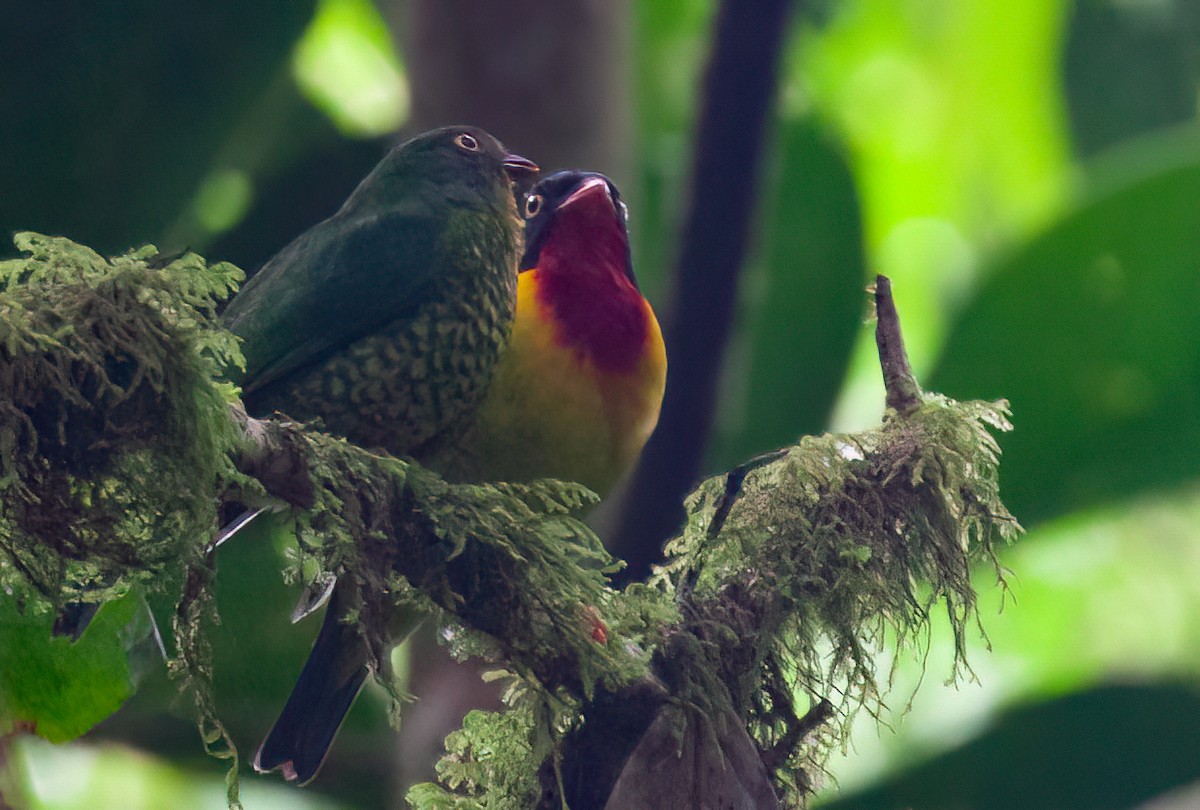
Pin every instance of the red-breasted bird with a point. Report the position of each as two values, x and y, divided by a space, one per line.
578 390
575 396
387 322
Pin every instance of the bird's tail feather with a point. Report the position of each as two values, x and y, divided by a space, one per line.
331 679
73 618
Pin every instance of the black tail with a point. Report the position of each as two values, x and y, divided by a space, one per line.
73 618
331 678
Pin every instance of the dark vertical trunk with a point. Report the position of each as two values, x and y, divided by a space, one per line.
550 78
737 99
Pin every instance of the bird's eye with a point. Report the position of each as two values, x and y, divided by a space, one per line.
467 141
533 204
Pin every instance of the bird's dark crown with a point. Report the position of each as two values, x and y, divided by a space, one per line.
439 158
554 190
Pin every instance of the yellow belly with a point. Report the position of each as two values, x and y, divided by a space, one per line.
550 413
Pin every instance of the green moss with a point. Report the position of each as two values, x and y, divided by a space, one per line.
114 434
491 763
117 443
835 548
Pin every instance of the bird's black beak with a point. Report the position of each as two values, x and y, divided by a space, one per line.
593 188
519 168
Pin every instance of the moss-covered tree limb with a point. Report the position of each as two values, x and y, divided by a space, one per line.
735 670
791 572
114 435
509 561
118 442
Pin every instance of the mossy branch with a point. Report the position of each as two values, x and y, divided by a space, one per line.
793 570
728 677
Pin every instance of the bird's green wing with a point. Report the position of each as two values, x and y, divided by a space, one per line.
337 282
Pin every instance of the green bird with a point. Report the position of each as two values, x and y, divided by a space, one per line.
387 322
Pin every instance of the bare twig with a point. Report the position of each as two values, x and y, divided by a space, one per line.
903 392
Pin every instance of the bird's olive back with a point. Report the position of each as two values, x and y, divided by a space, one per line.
386 319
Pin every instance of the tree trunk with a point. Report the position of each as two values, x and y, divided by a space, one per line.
550 78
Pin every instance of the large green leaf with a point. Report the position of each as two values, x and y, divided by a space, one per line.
1091 332
1130 68
1109 747
59 689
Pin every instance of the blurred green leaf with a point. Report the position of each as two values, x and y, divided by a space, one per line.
1130 68
346 65
222 200
956 135
803 299
945 118
60 689
1090 332
104 777
1108 747
670 46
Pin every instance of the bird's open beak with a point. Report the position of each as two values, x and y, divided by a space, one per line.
519 167
592 188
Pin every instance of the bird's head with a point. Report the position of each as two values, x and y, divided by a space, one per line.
578 264
459 162
577 220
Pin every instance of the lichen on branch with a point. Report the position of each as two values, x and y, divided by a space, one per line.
114 438
751 648
827 552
